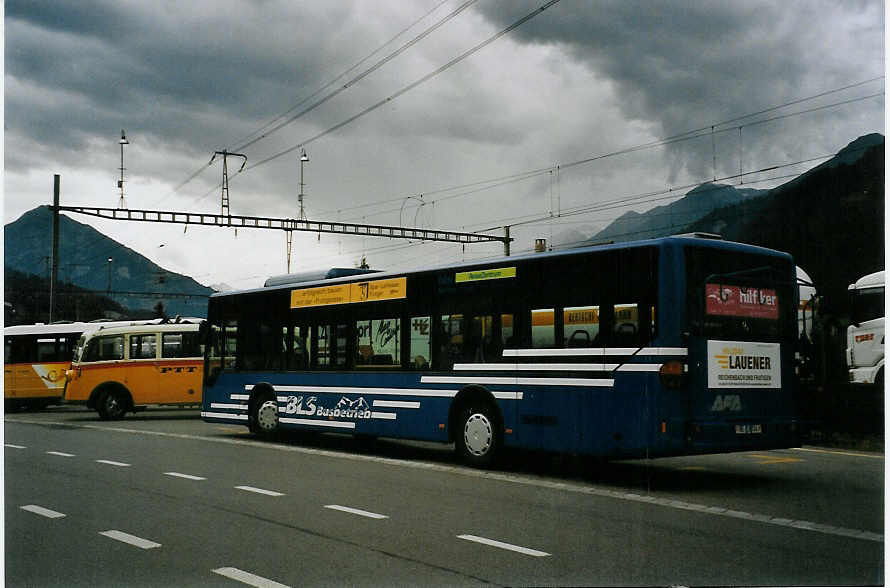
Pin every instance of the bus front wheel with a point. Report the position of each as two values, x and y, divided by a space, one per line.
112 405
478 435
264 420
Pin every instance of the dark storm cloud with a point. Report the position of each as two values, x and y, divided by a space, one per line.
692 63
194 74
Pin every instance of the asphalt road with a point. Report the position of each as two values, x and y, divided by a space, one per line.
164 499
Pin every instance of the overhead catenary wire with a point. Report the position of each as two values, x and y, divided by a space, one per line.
262 132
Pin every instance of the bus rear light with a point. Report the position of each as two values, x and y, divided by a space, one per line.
673 374
664 427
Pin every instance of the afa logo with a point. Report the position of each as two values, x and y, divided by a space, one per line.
727 402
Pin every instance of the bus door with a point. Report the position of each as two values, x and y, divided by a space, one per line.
741 362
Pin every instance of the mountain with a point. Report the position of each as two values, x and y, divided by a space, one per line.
130 279
831 219
674 217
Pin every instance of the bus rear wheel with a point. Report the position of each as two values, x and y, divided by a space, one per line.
264 420
478 436
112 405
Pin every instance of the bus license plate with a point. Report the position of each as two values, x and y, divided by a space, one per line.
748 429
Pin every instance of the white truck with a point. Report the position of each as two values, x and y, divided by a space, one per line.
865 335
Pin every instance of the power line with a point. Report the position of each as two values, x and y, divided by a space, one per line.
260 131
410 86
428 31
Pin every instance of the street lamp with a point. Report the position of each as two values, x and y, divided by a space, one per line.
110 259
303 159
120 183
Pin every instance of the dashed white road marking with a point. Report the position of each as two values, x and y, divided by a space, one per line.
11 446
356 511
259 491
184 476
44 512
60 453
502 477
114 463
248 578
130 539
502 545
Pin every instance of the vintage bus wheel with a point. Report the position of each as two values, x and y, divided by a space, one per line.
265 416
478 438
112 405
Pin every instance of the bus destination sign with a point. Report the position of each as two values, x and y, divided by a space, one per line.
486 274
370 291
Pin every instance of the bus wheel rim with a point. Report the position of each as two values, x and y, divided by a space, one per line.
267 415
478 434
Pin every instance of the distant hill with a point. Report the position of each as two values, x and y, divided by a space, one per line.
831 219
674 217
135 281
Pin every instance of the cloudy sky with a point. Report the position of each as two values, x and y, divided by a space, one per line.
419 113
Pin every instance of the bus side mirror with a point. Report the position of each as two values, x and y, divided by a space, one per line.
203 328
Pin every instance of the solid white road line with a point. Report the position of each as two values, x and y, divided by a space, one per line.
130 539
502 545
11 446
356 511
114 463
248 578
60 453
44 512
259 490
185 476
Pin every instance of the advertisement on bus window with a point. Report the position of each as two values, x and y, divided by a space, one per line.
744 364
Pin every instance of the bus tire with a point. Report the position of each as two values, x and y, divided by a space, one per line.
478 436
112 403
264 415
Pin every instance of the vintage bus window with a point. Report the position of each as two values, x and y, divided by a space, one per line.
543 328
46 349
180 345
508 341
377 343
143 346
582 326
420 349
105 348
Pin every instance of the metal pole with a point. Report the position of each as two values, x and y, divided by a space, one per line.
55 263
507 241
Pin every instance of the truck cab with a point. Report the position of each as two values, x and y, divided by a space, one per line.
865 335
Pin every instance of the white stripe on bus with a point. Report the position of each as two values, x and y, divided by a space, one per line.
599 351
394 404
224 415
595 382
372 391
386 416
536 367
239 397
639 367
228 406
318 423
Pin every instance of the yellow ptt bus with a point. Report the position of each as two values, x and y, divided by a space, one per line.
122 369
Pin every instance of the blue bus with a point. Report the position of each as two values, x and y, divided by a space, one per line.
672 346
